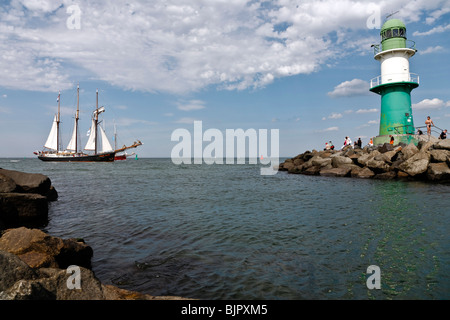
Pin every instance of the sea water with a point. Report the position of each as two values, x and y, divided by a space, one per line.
227 232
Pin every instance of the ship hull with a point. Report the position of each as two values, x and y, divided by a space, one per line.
120 157
102 157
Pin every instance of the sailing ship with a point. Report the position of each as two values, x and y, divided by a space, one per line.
97 142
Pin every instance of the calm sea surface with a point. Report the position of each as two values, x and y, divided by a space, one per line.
226 232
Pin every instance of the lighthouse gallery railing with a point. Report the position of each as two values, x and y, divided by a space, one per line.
412 77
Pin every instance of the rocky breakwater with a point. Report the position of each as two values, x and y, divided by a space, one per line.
428 161
24 198
37 266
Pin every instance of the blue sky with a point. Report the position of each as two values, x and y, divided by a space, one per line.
302 67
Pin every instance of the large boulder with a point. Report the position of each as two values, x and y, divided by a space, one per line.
39 249
363 173
321 162
386 147
23 208
416 164
439 155
343 171
442 144
58 284
13 269
377 166
7 184
409 150
365 158
24 198
340 160
29 182
425 145
312 171
438 172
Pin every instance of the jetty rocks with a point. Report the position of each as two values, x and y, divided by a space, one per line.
428 161
37 266
24 198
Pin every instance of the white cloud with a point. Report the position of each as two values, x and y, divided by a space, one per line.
179 46
431 50
438 29
430 104
368 124
335 116
438 13
329 129
366 110
355 87
186 120
4 96
191 105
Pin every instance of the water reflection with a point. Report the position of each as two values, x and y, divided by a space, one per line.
399 242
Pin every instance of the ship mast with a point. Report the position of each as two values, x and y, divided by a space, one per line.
77 116
96 123
57 122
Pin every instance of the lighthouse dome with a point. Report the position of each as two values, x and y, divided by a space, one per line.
393 34
392 24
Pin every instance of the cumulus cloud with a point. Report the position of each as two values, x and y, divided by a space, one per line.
355 87
329 129
430 104
191 105
186 120
438 29
335 115
179 46
366 110
438 13
431 50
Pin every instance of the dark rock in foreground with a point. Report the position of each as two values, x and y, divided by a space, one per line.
36 266
24 198
429 161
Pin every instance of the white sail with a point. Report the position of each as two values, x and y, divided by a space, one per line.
106 146
52 140
73 141
90 145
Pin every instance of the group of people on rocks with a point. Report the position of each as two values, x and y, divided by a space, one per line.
348 141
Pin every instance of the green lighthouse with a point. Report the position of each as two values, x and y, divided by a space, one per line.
395 84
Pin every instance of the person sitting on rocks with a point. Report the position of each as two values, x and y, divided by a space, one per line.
443 135
347 142
392 140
